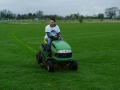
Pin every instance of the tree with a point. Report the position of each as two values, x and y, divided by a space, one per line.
3 13
101 16
34 15
67 17
80 19
118 14
119 11
19 16
30 15
110 12
6 14
72 16
55 16
0 14
39 14
24 16
9 15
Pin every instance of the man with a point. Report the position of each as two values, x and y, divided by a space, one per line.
51 30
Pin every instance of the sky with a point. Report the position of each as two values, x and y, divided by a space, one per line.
59 7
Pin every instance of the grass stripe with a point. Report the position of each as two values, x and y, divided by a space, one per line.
17 39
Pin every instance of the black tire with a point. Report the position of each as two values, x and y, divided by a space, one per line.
50 66
39 58
43 60
73 65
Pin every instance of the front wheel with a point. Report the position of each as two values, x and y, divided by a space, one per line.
74 65
50 66
39 58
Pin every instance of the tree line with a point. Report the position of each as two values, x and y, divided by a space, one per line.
109 12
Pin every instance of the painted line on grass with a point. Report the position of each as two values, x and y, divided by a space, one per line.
17 39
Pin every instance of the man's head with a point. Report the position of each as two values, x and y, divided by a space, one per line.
52 22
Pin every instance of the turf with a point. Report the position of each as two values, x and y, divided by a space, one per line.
96 47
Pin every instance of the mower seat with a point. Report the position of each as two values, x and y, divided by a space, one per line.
45 40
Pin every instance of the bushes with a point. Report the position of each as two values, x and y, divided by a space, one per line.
80 19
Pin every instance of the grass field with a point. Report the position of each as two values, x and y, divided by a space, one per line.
96 47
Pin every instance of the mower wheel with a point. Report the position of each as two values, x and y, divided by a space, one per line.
50 66
74 65
39 58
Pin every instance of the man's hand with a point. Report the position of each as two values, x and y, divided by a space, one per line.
54 35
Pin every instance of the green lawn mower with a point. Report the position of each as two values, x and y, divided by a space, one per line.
61 55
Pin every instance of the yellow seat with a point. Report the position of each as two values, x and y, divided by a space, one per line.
45 40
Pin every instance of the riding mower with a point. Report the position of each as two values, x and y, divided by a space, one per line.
60 55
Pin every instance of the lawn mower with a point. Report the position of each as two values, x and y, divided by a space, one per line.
60 55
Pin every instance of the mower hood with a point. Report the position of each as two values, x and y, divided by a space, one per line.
61 45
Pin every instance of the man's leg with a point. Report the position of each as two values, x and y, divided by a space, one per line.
49 40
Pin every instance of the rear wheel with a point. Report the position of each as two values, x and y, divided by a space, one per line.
39 58
74 65
50 66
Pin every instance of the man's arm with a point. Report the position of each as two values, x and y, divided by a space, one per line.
58 34
47 31
58 29
48 34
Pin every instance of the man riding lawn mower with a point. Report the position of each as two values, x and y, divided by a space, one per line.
55 51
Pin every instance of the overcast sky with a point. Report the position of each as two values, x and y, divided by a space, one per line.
59 7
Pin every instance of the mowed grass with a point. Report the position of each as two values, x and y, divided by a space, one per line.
96 47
